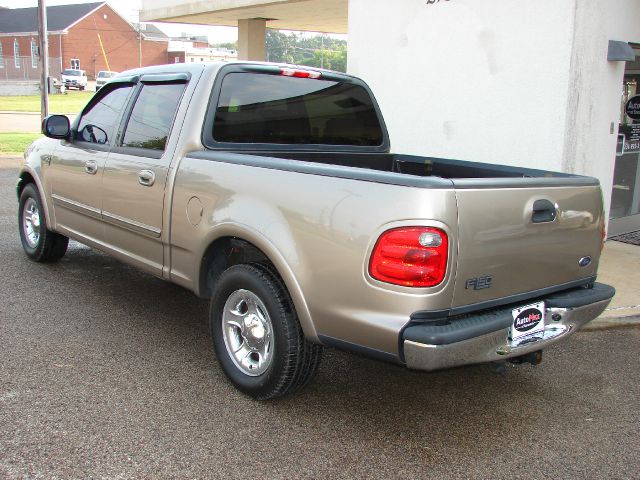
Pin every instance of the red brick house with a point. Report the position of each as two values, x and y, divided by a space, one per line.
75 34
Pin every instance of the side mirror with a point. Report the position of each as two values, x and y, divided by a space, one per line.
56 126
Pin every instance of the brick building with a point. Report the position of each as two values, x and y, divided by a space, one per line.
75 33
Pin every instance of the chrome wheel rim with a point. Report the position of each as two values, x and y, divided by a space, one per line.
31 222
247 332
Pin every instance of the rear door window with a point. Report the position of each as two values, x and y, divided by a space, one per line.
152 116
274 109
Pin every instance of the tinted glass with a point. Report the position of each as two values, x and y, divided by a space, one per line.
98 124
153 115
72 73
260 108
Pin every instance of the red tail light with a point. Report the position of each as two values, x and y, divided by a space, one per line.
292 72
411 256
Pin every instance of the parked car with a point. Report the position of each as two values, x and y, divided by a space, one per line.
103 77
74 78
271 190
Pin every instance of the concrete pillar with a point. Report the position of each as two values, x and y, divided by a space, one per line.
251 39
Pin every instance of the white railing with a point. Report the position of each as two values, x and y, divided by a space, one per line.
23 68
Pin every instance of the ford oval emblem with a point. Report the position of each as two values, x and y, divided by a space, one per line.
584 261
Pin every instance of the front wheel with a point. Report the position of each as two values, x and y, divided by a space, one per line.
256 334
39 243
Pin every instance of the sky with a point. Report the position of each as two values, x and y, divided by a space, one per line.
129 9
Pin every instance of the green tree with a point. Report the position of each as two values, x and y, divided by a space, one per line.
317 51
227 45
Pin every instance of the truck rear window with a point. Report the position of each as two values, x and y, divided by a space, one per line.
262 108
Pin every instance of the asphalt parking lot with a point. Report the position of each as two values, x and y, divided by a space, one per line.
106 372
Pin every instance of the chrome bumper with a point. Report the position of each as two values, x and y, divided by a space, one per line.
496 346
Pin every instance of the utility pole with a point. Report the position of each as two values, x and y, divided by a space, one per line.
139 40
44 58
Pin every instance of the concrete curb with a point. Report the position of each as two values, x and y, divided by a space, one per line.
605 323
15 112
11 112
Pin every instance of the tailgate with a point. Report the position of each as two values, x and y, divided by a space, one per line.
518 240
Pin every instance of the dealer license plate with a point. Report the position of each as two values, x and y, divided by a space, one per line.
528 322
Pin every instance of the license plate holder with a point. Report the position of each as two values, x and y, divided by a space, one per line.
528 323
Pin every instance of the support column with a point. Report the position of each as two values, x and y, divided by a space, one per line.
251 39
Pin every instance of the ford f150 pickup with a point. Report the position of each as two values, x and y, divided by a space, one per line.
271 190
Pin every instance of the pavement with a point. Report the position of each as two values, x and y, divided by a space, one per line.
107 372
620 267
23 122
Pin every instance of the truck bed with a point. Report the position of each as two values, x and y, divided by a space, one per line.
416 165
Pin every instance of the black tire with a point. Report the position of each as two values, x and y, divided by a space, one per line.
39 243
293 359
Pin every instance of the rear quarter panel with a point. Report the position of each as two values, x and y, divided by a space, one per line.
318 231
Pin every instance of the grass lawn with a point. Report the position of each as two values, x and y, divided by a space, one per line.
72 102
16 143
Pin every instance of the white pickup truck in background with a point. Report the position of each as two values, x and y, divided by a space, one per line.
74 78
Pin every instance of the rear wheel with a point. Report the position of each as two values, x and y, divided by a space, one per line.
39 243
257 336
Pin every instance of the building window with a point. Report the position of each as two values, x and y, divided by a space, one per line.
16 53
34 54
1 56
176 60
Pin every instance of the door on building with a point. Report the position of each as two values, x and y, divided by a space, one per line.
625 195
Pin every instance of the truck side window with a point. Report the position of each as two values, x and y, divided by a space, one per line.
152 116
263 108
98 123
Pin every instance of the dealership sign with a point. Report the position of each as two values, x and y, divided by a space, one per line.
632 108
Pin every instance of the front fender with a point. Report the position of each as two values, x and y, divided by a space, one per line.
31 171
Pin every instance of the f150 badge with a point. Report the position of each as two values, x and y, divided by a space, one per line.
479 283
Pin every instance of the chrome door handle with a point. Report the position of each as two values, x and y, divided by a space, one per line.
146 178
91 167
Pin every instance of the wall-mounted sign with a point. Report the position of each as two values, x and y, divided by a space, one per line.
629 139
632 108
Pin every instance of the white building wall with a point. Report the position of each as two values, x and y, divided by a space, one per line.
482 80
523 83
596 87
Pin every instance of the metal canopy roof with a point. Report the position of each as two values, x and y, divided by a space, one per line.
307 15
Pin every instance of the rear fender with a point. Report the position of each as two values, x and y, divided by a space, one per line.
282 264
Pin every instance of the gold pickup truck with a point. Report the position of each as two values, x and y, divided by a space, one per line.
271 190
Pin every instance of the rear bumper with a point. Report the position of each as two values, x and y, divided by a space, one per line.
484 337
